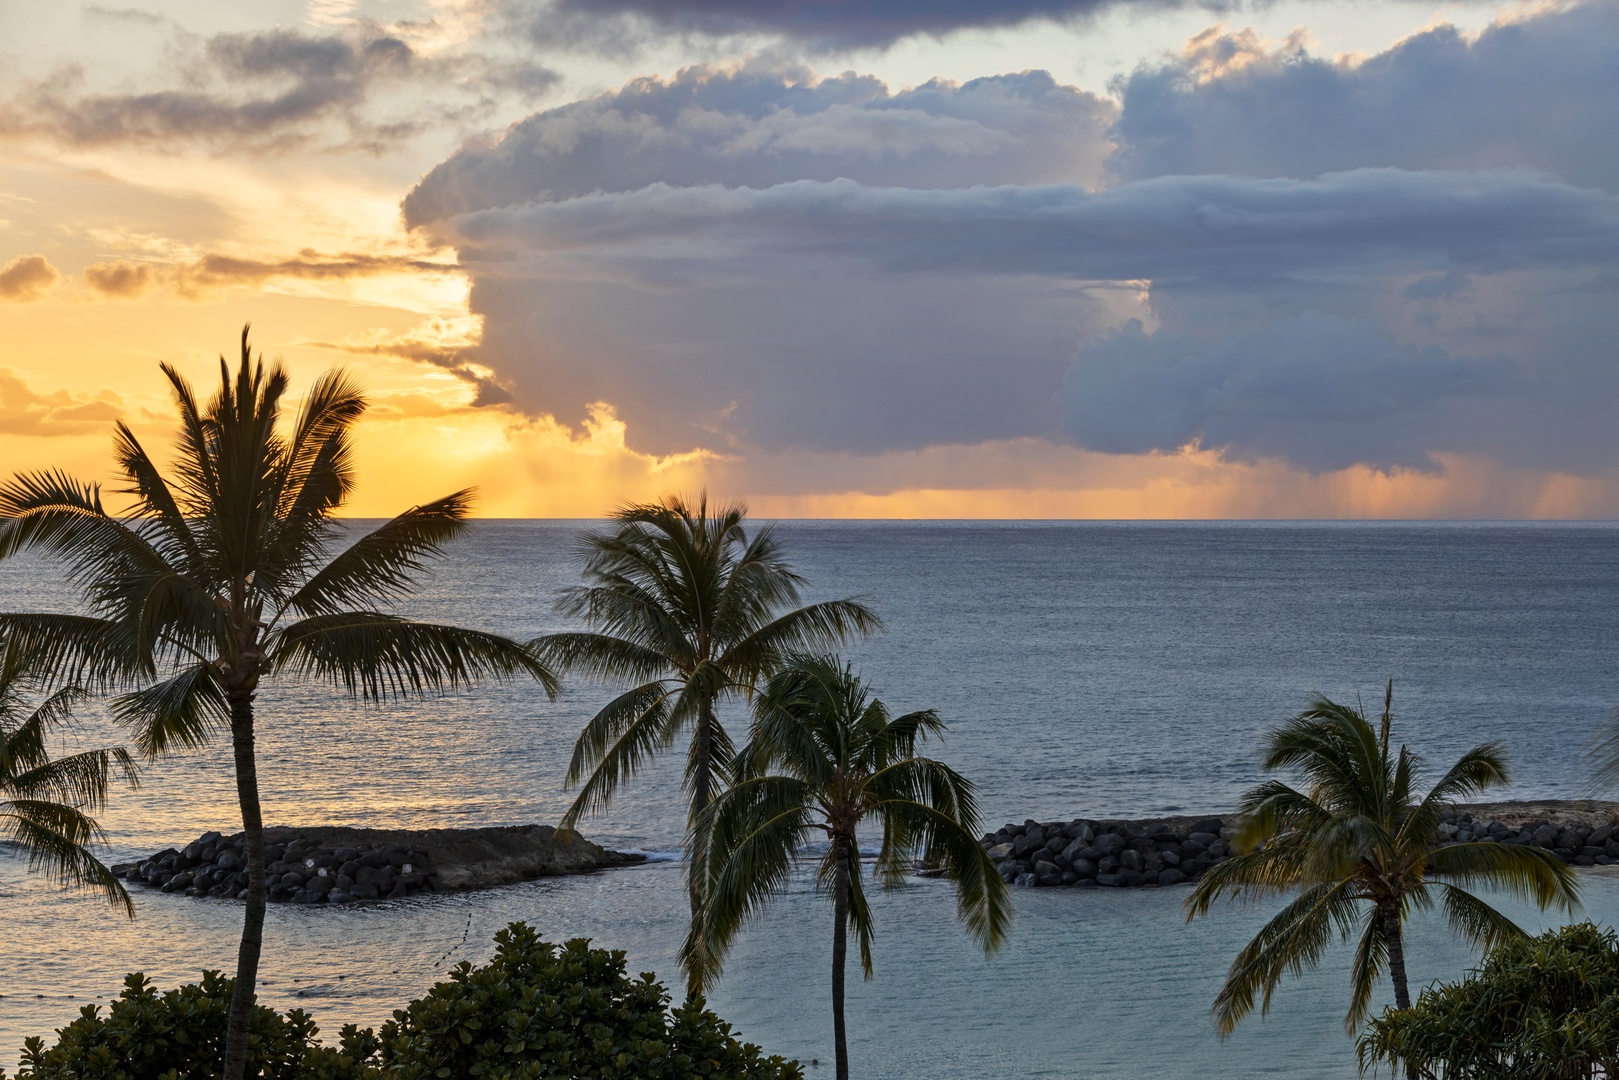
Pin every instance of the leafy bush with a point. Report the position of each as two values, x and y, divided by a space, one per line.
180 1035
1542 1008
539 1010
535 1010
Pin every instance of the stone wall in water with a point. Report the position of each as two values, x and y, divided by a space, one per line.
1174 851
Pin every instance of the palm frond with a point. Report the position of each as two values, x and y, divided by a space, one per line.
1521 870
384 564
56 839
1292 941
619 742
379 657
186 710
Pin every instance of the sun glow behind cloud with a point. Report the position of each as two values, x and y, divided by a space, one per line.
788 350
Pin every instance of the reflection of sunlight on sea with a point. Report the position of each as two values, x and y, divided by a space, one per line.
1084 669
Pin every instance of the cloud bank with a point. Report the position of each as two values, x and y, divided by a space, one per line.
1254 251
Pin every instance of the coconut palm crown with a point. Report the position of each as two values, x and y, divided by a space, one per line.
826 761
226 572
684 610
1359 849
45 801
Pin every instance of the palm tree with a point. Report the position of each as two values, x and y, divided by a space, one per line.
826 759
46 802
1360 850
222 575
684 610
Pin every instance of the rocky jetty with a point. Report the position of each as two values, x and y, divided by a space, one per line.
337 865
1175 851
1120 854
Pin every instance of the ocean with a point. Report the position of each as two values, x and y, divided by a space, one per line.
1084 669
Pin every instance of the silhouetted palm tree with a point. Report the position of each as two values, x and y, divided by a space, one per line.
1360 850
46 802
222 575
685 610
827 760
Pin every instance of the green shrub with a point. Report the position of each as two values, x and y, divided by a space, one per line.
535 1010
180 1035
540 1010
1541 1008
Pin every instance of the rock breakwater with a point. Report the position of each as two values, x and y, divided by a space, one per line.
1119 854
338 865
1174 851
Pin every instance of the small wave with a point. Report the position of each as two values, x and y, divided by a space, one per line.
655 856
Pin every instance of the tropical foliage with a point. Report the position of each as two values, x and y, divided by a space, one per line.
535 1010
1358 849
1543 1008
226 572
540 1010
45 801
683 611
180 1035
828 761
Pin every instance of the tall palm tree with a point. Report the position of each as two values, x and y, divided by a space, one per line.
1360 850
221 575
685 611
46 802
826 760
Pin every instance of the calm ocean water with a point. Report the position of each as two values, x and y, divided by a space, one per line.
1085 669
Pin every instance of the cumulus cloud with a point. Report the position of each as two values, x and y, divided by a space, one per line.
1532 93
765 124
755 260
27 277
270 88
122 279
25 411
1319 390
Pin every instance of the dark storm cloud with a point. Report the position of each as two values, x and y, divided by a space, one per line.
1223 229
766 124
1534 93
836 23
267 88
1322 391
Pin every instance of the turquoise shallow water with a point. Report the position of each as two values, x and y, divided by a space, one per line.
1085 669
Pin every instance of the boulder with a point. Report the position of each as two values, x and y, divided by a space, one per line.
1107 865
1546 837
1208 825
1198 836
1083 868
1110 880
1109 843
1075 849
998 853
1193 850
1170 857
1042 869
1171 876
1022 881
1130 859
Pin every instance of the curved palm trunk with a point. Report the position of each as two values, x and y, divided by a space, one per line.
840 953
1392 936
247 958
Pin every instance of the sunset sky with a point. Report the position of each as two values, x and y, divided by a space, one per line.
877 258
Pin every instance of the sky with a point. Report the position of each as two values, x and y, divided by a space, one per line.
840 258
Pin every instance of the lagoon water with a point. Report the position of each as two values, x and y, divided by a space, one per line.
1085 669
